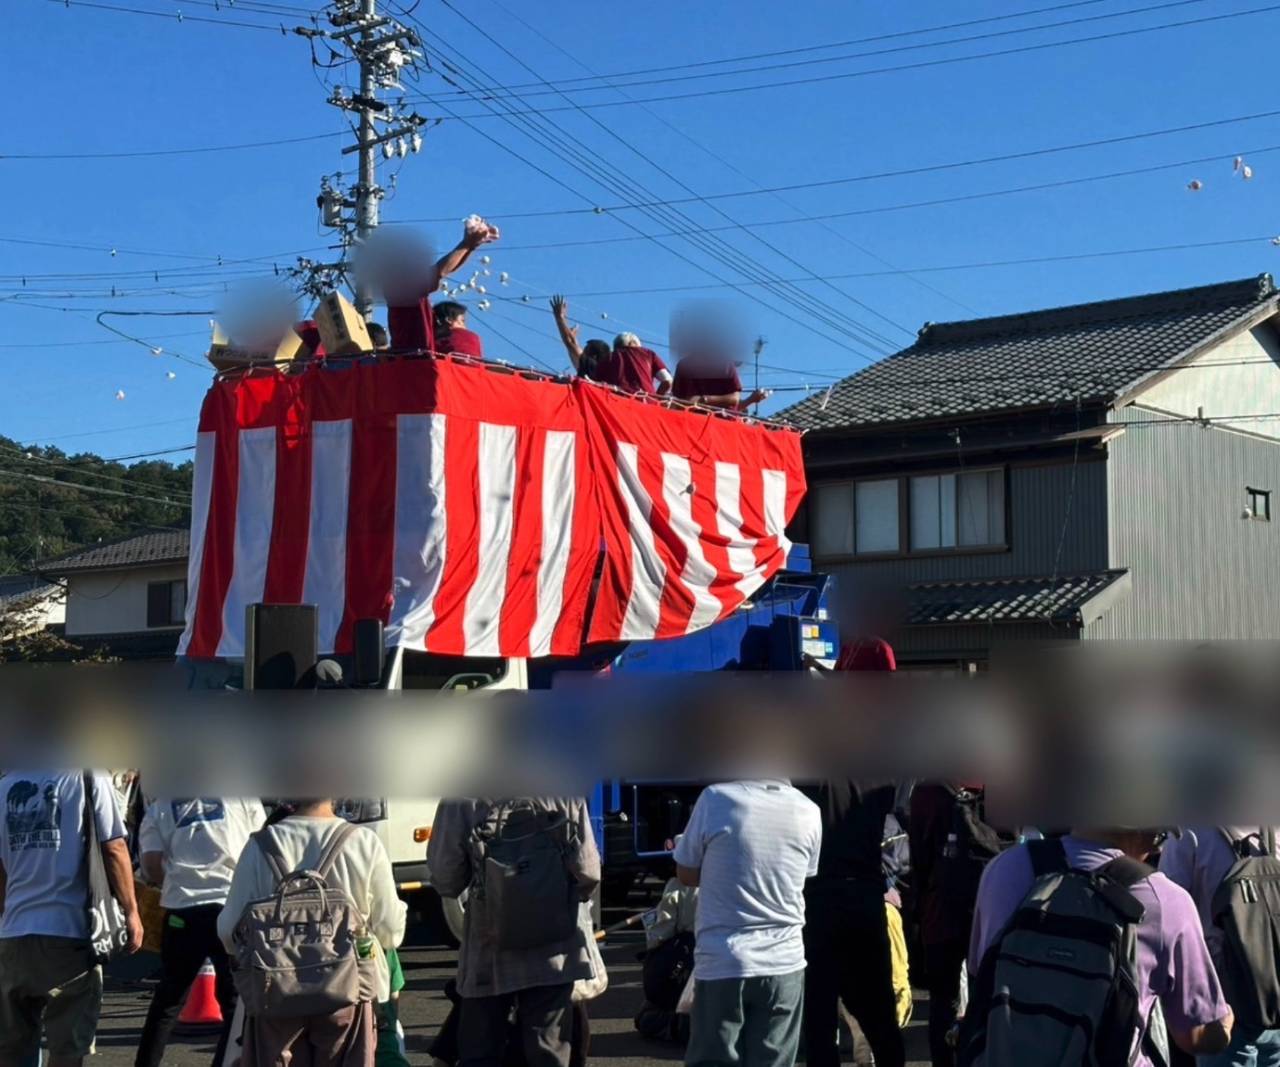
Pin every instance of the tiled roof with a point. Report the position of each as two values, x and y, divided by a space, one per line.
24 588
1089 352
136 550
1005 600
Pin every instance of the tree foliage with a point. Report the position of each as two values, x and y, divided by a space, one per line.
43 514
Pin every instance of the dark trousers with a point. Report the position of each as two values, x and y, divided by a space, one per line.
543 1025
849 959
190 937
944 970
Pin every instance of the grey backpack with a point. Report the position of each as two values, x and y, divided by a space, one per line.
1246 907
1060 983
522 895
303 950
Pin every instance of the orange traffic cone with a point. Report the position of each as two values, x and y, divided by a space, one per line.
201 1010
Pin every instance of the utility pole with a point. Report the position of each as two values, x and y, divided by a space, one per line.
382 48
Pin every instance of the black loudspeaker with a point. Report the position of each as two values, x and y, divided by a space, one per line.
369 654
280 646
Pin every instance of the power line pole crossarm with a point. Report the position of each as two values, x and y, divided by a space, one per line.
382 48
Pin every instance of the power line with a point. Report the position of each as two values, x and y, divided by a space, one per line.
693 64
109 341
922 64
927 168
151 153
722 253
934 202
672 177
498 91
177 16
149 455
985 265
538 137
93 489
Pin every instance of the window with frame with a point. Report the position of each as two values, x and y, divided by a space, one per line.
1259 501
923 513
858 518
964 510
166 603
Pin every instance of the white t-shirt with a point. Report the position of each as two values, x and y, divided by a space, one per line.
42 849
756 843
201 839
362 869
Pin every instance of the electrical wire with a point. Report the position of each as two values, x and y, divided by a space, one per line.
987 265
154 152
928 168
178 16
601 176
921 65
650 160
826 46
500 91
93 489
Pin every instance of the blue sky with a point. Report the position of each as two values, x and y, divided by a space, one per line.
84 81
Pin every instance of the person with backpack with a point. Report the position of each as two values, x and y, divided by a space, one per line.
50 951
527 866
1233 875
749 847
950 845
311 910
189 847
1082 954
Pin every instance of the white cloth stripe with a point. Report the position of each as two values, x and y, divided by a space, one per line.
421 528
483 614
698 574
648 573
255 516
201 491
742 557
558 485
325 581
775 508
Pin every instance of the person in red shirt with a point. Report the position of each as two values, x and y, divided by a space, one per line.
632 368
586 359
452 335
411 323
714 385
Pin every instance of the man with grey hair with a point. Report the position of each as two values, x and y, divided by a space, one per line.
632 368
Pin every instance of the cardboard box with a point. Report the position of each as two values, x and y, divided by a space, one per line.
225 355
342 328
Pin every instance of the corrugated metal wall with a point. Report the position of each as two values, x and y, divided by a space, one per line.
1042 504
1199 570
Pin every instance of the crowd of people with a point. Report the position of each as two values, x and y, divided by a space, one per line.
1125 945
705 375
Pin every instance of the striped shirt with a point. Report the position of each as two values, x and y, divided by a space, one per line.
755 843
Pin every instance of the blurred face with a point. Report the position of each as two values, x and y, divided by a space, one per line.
459 322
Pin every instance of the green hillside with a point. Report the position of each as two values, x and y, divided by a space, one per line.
43 513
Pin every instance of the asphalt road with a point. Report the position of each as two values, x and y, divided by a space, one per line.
423 1007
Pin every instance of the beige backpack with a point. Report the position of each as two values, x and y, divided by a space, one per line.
303 950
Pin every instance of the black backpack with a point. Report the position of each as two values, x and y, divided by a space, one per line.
971 844
1246 907
1060 983
666 970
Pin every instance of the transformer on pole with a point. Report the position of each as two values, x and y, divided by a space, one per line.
382 48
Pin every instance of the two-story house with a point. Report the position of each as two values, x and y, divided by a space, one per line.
1107 470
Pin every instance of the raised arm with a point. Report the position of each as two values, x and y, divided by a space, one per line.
568 334
476 233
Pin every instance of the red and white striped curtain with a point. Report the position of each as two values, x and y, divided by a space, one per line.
467 507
